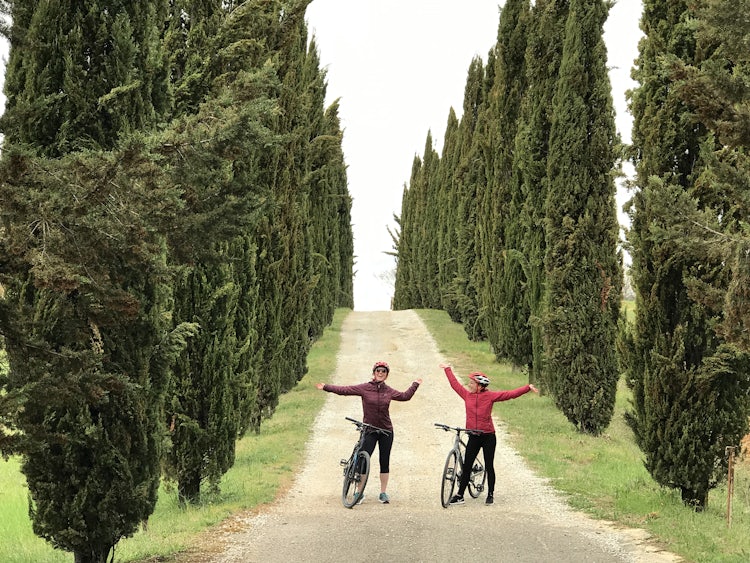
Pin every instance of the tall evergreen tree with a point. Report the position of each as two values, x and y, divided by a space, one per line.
448 225
405 294
507 325
87 341
470 178
688 397
582 262
87 289
543 54
231 374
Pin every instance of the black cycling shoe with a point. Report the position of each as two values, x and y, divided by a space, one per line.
490 499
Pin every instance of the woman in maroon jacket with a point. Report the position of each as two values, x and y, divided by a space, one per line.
376 400
479 402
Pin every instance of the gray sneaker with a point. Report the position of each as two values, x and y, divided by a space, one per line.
358 498
384 498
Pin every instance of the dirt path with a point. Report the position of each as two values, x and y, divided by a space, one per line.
527 523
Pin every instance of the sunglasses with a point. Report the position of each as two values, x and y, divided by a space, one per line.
381 370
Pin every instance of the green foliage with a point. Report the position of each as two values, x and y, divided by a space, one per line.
682 372
503 289
583 275
88 340
220 198
82 83
543 54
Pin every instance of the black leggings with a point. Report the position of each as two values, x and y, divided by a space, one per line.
487 443
385 443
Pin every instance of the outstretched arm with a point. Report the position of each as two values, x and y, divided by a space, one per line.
457 387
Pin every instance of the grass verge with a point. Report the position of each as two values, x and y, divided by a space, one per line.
603 476
265 464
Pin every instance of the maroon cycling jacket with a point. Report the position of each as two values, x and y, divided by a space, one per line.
479 405
376 400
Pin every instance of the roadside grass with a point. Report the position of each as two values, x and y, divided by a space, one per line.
602 476
266 464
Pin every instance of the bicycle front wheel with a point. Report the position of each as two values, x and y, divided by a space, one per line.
355 478
450 474
477 479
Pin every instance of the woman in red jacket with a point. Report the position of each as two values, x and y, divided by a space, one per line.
479 402
376 401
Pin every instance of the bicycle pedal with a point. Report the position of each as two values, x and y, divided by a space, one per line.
343 462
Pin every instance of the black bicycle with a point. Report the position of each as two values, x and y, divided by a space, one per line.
453 465
357 467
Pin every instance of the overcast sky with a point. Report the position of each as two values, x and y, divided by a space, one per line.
398 66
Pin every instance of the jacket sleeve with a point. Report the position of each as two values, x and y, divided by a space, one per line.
457 387
507 395
343 389
405 395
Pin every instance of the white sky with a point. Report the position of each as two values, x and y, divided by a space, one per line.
398 67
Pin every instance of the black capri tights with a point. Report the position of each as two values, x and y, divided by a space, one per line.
385 443
487 443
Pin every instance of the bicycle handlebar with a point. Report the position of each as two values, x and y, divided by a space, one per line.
361 425
456 428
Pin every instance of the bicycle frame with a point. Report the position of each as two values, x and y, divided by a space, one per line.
357 467
454 464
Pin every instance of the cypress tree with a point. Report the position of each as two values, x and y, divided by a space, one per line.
507 327
88 345
405 294
582 262
448 225
230 375
82 74
424 217
86 302
470 177
689 386
543 54
330 206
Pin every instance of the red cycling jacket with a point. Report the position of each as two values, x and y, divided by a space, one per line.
479 405
376 400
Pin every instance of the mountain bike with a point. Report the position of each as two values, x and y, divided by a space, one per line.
357 467
453 464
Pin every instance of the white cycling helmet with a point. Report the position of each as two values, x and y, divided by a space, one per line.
480 378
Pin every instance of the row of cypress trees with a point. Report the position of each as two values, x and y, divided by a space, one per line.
522 207
175 234
512 230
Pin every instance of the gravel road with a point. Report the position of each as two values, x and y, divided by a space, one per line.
528 522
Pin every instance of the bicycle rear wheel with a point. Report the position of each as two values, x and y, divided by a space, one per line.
355 478
476 482
450 474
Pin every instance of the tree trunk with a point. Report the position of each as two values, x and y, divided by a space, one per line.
189 488
92 555
697 500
